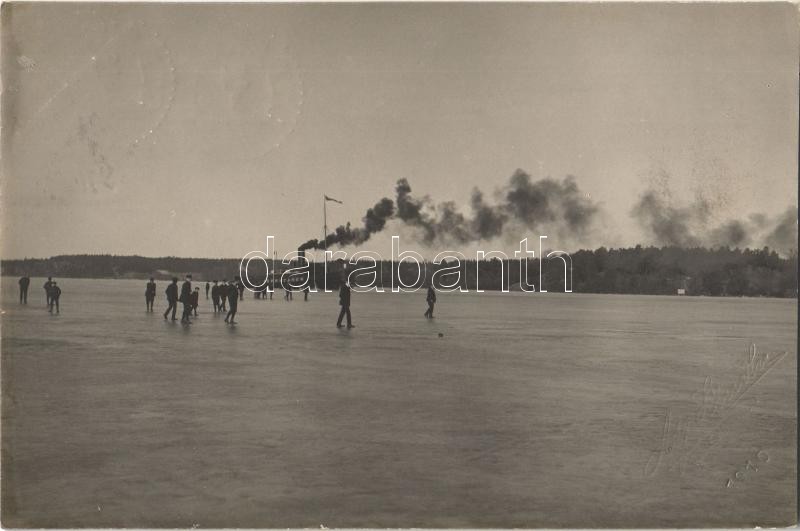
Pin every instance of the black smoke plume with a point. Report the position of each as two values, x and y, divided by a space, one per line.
544 204
523 203
689 225
548 203
783 233
374 221
667 224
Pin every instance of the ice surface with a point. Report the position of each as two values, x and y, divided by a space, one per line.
531 410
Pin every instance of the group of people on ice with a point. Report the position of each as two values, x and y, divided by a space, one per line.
189 297
51 290
225 297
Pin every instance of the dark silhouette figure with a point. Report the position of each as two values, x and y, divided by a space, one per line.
24 282
186 299
233 301
172 298
215 296
195 299
47 286
431 298
55 295
150 294
208 287
223 295
240 286
344 302
305 293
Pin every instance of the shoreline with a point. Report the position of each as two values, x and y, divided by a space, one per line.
471 291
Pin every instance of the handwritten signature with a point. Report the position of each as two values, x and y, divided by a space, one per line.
758 457
686 440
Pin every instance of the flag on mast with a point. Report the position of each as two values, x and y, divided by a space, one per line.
332 199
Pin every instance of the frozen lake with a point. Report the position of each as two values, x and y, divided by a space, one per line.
532 410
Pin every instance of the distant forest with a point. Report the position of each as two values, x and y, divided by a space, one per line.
638 270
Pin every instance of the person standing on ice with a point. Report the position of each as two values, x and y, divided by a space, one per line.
186 299
233 300
150 294
195 300
215 296
223 295
47 286
172 298
55 295
344 302
24 282
431 299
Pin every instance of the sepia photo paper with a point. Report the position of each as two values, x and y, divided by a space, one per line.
404 265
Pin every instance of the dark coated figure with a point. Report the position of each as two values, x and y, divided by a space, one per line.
344 302
24 282
186 299
215 296
223 295
195 298
55 295
305 293
233 300
47 286
208 287
150 294
240 287
172 298
431 298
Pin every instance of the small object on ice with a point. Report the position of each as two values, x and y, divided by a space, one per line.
441 334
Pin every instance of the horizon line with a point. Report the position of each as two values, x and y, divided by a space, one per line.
584 249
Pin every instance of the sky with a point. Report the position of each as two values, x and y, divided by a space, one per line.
198 130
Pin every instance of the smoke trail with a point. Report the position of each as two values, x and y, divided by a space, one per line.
411 211
731 234
374 221
668 225
783 236
487 222
453 222
689 225
549 204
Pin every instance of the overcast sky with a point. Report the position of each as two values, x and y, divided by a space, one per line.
196 130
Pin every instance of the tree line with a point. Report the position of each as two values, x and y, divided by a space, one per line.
637 270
